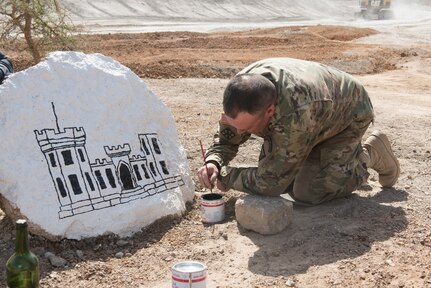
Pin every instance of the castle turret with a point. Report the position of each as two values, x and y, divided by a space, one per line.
120 158
69 166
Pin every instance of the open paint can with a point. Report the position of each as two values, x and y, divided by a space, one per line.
189 274
212 208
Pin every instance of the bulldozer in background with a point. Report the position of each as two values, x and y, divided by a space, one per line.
375 9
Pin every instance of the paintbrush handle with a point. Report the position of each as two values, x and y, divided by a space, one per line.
205 163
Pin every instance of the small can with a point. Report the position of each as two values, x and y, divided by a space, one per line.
212 208
189 274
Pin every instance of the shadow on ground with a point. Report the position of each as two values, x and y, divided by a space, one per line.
341 229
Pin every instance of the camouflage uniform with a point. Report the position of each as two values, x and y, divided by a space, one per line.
312 142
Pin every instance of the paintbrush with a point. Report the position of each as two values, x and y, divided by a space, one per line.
205 163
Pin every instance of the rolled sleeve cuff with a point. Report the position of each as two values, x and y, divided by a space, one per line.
216 160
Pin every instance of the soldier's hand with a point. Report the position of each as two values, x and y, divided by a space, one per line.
208 180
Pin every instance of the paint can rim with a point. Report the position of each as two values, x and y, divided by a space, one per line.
202 266
212 196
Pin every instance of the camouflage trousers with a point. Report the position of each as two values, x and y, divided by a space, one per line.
332 169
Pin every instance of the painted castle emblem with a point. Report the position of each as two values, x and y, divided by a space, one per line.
83 186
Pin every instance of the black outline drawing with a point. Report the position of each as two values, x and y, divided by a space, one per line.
83 186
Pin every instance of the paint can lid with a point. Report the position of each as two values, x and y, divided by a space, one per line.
189 267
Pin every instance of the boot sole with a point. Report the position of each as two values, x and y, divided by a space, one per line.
385 141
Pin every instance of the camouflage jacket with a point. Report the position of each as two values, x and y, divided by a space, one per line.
314 103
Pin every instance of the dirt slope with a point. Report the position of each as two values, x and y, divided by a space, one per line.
208 10
222 54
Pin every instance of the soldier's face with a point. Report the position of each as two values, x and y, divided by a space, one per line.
251 123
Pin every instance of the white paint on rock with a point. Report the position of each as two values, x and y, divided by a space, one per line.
105 112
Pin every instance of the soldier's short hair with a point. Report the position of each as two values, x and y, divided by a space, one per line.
251 93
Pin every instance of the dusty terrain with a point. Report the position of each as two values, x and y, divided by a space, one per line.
375 238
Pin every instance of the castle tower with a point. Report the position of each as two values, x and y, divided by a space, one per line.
69 166
150 146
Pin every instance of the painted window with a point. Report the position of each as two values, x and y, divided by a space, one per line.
145 171
138 175
164 168
75 184
52 160
153 170
89 180
100 179
81 155
144 146
67 156
156 145
111 178
60 185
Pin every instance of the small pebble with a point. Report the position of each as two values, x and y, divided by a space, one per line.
390 262
119 255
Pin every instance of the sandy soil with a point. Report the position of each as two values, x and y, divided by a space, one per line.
375 238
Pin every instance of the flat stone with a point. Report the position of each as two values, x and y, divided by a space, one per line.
55 261
122 243
264 215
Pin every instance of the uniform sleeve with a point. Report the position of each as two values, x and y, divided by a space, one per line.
225 145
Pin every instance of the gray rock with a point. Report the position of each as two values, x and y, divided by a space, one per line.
264 215
38 251
80 254
119 255
122 243
55 260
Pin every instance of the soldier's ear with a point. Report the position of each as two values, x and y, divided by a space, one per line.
270 110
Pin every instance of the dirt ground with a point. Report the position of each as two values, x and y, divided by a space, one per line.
375 238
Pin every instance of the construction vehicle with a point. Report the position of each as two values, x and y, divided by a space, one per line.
375 9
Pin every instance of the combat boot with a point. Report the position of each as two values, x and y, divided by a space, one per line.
381 158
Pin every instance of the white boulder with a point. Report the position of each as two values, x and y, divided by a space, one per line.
88 149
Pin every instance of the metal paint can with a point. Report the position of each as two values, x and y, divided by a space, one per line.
212 208
189 274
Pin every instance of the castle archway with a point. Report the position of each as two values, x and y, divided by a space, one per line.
125 176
